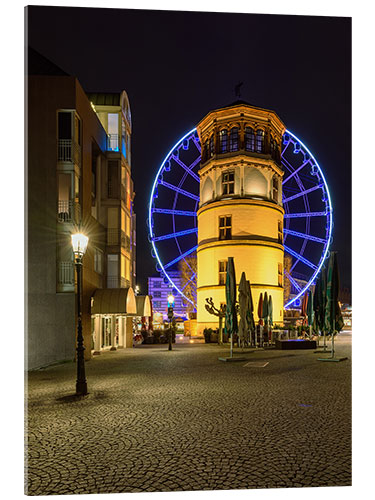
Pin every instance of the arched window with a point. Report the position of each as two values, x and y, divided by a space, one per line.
205 151
275 189
249 139
272 147
212 151
223 141
259 146
233 139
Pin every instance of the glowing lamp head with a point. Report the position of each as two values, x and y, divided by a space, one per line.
79 244
170 299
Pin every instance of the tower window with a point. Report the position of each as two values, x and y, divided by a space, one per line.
280 274
212 150
249 139
275 189
259 146
222 271
233 140
280 231
223 141
225 227
228 183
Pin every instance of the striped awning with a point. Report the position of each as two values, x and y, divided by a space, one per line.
114 301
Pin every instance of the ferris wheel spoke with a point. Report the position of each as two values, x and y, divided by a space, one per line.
173 212
304 214
295 171
175 235
197 143
185 167
300 257
179 190
188 281
304 236
174 261
293 282
302 193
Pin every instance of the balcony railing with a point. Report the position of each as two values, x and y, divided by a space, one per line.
65 273
112 142
117 282
68 211
117 237
69 151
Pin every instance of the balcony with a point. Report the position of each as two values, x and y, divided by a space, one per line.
112 142
117 237
65 273
69 151
68 211
117 282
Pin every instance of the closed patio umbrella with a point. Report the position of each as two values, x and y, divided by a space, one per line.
243 299
230 294
265 312
310 312
250 311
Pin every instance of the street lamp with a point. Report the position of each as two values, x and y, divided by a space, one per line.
170 316
79 244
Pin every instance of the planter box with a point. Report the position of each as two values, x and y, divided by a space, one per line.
295 344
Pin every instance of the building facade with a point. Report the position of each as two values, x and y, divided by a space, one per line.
78 178
159 289
240 212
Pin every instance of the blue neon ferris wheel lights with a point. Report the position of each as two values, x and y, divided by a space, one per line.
300 192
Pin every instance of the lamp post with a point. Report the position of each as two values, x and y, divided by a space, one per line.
79 244
170 317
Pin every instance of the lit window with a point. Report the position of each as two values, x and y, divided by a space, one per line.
225 227
157 294
223 141
260 141
280 274
233 140
228 183
222 271
98 261
249 139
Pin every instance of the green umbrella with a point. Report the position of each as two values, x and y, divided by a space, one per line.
333 321
270 310
333 317
243 299
250 311
265 312
231 326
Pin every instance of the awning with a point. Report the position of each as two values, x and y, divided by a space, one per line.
143 305
114 301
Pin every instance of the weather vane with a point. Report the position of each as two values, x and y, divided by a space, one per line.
237 89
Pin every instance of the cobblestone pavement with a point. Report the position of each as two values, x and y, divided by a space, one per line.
183 420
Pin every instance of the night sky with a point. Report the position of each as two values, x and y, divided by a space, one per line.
177 66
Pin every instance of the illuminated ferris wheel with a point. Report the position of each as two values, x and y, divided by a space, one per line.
174 200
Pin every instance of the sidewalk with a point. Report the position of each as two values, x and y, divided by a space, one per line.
159 420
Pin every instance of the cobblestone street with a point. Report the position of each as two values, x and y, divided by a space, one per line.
168 421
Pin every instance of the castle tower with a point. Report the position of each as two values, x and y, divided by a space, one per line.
240 212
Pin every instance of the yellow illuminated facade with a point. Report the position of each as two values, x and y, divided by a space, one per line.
240 213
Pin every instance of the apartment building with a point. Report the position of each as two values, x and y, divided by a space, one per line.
78 176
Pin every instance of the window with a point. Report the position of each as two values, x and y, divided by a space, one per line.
212 147
112 179
280 231
225 227
113 131
233 140
228 183
249 139
98 261
157 294
223 141
222 271
275 189
156 304
65 125
157 284
112 271
205 151
260 141
280 274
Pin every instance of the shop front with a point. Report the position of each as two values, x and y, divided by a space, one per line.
112 313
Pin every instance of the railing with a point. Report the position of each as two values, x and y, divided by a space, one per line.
65 273
68 211
68 151
118 237
117 282
112 142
